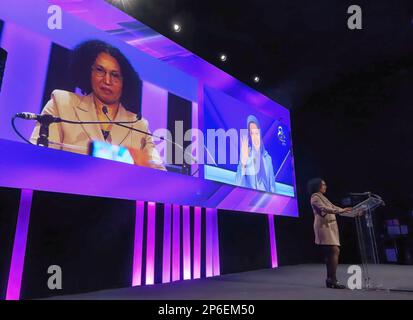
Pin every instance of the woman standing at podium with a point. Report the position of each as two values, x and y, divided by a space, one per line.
326 228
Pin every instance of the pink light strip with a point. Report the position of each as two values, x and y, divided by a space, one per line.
166 258
197 242
138 243
187 242
150 244
198 146
176 243
215 244
274 258
209 243
19 246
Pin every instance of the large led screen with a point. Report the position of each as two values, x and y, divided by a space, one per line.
116 89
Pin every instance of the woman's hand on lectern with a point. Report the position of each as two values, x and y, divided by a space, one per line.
359 212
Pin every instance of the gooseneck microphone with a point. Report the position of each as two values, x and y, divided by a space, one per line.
38 117
46 120
184 166
121 124
105 111
52 119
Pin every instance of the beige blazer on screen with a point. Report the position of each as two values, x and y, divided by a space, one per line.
325 222
76 138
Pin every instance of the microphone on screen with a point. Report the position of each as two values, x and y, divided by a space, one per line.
121 124
139 117
42 118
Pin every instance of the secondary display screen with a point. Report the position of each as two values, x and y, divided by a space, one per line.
251 149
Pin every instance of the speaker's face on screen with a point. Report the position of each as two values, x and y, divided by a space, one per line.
255 136
106 79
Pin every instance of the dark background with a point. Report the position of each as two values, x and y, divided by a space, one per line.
349 91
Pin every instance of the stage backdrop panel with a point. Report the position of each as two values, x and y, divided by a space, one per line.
245 239
102 243
91 239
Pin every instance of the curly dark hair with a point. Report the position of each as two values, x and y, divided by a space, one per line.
84 56
314 185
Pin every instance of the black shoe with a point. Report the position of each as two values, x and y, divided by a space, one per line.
334 284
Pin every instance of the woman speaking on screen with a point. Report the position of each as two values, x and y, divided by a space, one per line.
110 88
255 169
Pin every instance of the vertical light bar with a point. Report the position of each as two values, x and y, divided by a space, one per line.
19 246
166 257
198 148
138 243
215 244
200 127
150 244
176 243
197 242
186 242
209 243
273 246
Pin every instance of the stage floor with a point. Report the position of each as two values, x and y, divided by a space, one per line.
304 281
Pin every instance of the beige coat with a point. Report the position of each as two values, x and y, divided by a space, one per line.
325 223
76 138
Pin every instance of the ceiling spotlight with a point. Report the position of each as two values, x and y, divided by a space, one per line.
256 79
177 27
223 57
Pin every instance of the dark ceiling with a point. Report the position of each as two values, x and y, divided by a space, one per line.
297 47
349 91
